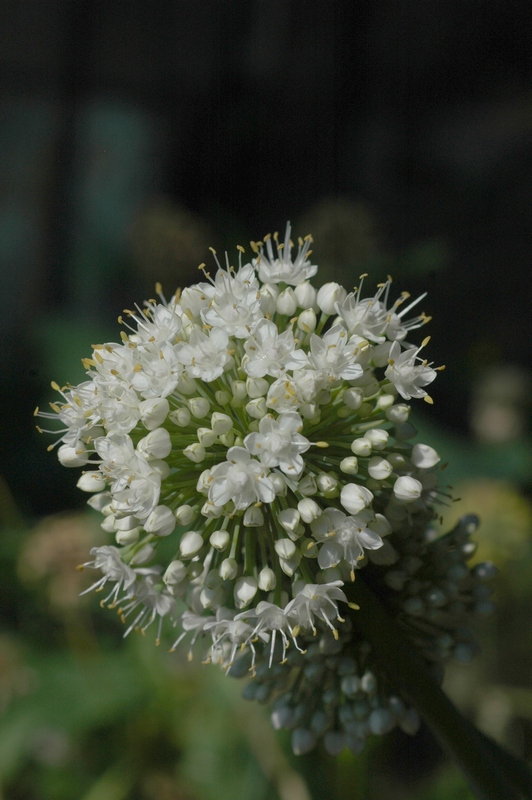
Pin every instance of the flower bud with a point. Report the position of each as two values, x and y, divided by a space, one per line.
175 573
307 485
161 521
385 402
73 456
190 544
289 565
108 525
228 569
126 523
378 438
279 484
206 437
267 579
199 407
305 295
211 598
289 519
286 302
349 465
219 540
156 444
307 321
253 517
211 511
257 408
423 456
222 397
268 295
407 489
379 468
353 398
204 481
160 466
185 514
398 413
361 447
91 481
257 387
354 498
327 484
285 548
221 423
240 394
100 502
180 417
195 452
244 591
308 509
227 439
153 412
131 536
397 460
329 295
144 554
309 410
186 384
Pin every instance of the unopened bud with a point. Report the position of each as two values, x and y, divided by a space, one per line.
307 321
161 521
199 407
153 412
157 444
267 579
286 302
228 569
180 417
244 591
185 514
329 295
195 452
220 540
91 481
190 544
305 295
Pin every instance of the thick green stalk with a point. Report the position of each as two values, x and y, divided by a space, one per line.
491 772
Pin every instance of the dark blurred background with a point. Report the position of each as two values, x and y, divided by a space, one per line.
135 134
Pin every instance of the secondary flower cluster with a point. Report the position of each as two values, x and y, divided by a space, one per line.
258 428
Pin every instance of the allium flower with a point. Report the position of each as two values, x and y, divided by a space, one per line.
257 429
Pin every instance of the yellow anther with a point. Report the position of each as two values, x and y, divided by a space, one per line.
240 248
213 251
425 341
55 386
158 288
428 399
322 445
354 606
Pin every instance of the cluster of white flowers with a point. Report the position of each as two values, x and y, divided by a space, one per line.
261 424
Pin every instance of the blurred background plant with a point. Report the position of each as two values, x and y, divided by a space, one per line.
131 139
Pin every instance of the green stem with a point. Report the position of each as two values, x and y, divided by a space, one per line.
491 771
